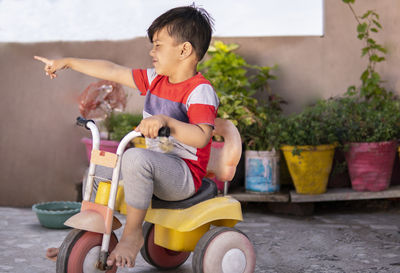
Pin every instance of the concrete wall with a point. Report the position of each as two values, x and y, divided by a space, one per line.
41 156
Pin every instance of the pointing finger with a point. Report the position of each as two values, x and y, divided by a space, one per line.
42 59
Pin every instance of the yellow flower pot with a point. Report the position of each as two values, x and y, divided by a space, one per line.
310 170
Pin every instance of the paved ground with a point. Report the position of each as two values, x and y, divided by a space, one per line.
331 240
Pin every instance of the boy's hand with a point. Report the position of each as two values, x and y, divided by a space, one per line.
52 66
150 126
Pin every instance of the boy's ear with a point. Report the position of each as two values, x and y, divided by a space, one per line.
186 50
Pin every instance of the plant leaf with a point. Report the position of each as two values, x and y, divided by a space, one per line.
377 24
361 28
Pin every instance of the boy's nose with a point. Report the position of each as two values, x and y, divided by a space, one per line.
151 53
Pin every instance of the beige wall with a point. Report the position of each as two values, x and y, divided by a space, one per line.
40 151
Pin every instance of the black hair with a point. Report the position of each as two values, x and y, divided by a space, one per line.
186 24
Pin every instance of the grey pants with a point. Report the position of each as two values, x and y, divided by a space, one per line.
147 172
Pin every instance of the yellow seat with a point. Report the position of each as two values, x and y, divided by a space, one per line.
180 229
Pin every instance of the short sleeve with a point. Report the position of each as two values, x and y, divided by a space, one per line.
202 105
143 79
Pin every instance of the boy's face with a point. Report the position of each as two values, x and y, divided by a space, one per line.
165 52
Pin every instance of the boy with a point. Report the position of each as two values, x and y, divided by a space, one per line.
176 96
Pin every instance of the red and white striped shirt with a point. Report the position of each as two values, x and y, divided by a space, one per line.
192 101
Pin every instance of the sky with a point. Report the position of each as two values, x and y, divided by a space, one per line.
88 20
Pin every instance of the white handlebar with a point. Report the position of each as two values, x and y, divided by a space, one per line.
96 138
95 135
126 140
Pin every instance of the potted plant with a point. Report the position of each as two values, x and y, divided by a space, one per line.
369 135
236 82
117 125
309 141
262 141
371 125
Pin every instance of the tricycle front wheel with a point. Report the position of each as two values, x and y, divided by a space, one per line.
80 250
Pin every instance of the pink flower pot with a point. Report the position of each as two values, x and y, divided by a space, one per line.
370 165
105 145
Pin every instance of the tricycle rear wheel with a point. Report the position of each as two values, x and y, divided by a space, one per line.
159 256
226 250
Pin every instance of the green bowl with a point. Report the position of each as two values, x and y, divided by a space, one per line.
54 214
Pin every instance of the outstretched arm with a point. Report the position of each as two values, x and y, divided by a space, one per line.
96 68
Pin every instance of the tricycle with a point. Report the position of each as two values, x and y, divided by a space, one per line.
202 224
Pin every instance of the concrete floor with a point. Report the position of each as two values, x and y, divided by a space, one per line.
342 240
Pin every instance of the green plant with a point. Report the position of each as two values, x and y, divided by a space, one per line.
315 125
369 113
367 25
119 124
265 134
236 82
364 120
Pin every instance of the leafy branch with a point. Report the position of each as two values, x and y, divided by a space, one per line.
368 24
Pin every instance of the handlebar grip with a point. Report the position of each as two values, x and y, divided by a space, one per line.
83 122
164 132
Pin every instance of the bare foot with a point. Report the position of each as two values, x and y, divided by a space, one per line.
51 253
127 249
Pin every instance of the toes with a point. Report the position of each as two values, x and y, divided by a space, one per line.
51 253
130 262
111 259
118 261
127 262
124 261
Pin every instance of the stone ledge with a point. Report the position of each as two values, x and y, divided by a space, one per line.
343 194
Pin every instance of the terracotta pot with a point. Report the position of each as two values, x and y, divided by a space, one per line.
370 165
